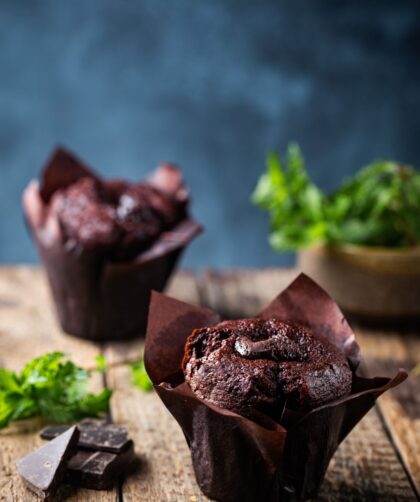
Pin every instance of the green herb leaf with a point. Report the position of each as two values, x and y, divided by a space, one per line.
379 206
101 364
49 386
8 380
139 376
295 204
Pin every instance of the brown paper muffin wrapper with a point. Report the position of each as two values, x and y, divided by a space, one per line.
238 459
97 298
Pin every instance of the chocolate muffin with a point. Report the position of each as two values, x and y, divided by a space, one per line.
261 364
106 244
257 364
117 218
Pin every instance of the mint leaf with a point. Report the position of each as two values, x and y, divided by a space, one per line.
295 204
382 207
101 364
379 206
139 376
8 380
49 386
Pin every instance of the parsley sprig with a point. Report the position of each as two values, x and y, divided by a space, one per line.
49 386
379 206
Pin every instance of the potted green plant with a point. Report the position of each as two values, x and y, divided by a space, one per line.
361 242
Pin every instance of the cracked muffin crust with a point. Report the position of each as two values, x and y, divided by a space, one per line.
116 217
257 364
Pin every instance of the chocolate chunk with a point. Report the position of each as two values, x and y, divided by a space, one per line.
98 470
94 434
42 470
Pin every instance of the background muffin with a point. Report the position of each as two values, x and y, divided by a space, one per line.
106 244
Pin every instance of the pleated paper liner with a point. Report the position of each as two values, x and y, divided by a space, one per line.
95 297
239 459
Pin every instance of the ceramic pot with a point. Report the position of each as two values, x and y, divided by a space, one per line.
373 284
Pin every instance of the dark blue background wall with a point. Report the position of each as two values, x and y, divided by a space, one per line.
211 85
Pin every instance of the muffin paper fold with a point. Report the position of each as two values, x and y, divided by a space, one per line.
236 458
95 297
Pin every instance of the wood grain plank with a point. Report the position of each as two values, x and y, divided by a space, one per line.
183 287
218 289
28 328
383 353
28 325
23 438
165 471
365 466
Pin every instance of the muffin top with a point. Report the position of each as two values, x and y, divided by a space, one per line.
118 218
257 364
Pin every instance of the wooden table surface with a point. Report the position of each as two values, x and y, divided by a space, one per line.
379 460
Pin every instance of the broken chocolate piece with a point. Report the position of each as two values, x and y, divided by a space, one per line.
94 434
43 469
104 453
98 470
